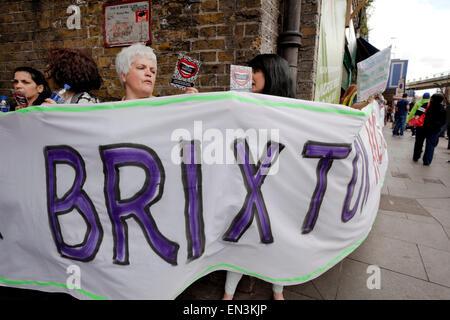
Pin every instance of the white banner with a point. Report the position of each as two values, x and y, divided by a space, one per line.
138 199
373 74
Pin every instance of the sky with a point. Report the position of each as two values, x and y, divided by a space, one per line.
418 31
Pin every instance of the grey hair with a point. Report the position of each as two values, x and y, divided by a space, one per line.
127 55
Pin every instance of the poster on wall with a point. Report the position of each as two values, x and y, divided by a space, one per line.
125 23
331 51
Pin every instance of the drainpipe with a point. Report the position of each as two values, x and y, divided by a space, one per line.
290 38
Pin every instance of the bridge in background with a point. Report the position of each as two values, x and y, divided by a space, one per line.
438 80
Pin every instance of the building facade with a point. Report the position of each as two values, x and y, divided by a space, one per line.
217 32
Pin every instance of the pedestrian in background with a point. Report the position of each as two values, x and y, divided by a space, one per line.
419 108
435 118
401 113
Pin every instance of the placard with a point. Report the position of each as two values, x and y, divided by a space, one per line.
125 23
185 73
21 99
373 74
240 78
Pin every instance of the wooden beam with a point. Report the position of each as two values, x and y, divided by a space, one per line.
358 8
347 15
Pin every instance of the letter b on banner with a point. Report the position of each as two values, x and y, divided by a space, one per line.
75 198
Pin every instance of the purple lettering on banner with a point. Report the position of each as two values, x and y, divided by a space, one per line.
75 198
137 207
191 173
366 171
327 152
347 213
254 177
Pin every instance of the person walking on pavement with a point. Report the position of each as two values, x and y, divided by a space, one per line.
448 124
402 110
418 107
435 117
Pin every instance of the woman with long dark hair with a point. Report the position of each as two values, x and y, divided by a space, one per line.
270 75
435 117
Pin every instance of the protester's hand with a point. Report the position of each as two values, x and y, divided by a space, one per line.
49 101
191 90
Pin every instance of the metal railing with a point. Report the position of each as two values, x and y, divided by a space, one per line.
436 76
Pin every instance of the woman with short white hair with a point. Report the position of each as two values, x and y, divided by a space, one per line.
136 67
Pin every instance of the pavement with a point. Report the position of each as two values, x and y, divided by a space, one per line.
409 242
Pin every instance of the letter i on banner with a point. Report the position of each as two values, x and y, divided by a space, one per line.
191 171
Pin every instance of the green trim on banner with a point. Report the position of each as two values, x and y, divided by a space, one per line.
303 278
188 98
218 266
54 284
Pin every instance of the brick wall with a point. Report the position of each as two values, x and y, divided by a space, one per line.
308 53
217 32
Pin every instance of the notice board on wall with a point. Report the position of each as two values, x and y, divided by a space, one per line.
125 23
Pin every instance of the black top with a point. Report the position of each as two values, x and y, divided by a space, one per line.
435 118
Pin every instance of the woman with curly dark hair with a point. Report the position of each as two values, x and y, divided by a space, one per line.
76 69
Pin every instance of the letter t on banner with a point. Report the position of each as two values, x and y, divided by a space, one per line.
327 152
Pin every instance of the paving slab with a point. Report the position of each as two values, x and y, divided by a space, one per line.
438 208
328 283
420 218
402 204
417 191
437 265
394 286
431 235
307 291
395 214
392 254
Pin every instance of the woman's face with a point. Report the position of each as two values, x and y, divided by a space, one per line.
140 80
49 78
258 81
24 83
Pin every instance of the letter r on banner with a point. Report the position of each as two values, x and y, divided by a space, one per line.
137 207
